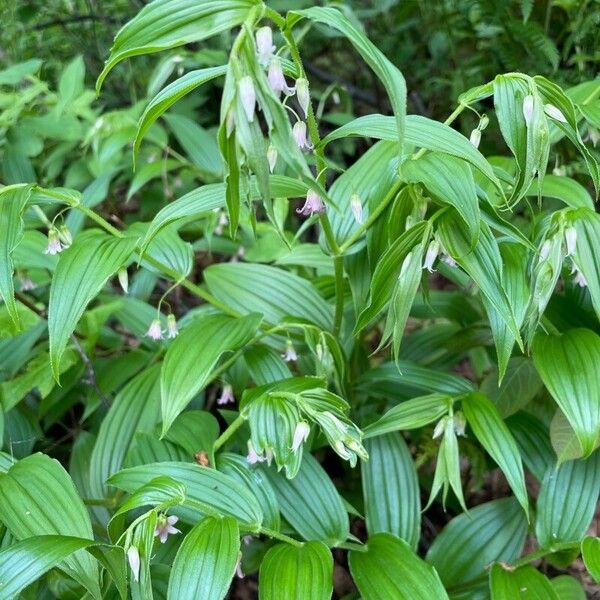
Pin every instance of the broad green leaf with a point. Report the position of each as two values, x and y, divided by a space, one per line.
265 365
82 271
571 192
494 531
567 501
391 468
26 561
587 252
37 497
170 95
524 582
195 431
208 491
568 588
532 438
389 75
310 503
205 562
568 367
411 414
390 569
300 572
193 355
495 437
13 200
273 292
590 551
165 24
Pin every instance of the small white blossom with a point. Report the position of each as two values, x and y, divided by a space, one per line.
303 94
439 428
253 457
54 246
357 209
475 137
226 396
545 250
272 157
300 435
277 79
299 133
164 527
432 253
26 285
528 108
223 220
554 113
312 205
133 557
459 423
172 331
446 258
559 171
593 136
123 279
247 96
238 570
155 330
570 239
264 45
290 352
579 278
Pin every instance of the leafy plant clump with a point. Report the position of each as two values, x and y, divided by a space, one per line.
359 360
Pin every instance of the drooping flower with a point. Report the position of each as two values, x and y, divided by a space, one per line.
155 330
226 396
432 253
164 527
303 94
290 354
528 108
439 428
475 137
272 157
238 570
65 235
247 96
277 79
554 113
54 246
223 220
301 433
264 45
133 557
570 239
579 278
312 205
459 423
299 133
26 285
253 457
172 330
357 209
593 136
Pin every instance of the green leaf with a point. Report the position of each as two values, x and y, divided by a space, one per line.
170 95
205 562
568 367
24 562
567 501
187 365
494 531
568 588
590 551
391 468
495 437
571 192
165 24
532 438
389 75
82 271
37 497
524 582
208 491
300 572
587 252
411 414
390 569
310 503
273 292
13 200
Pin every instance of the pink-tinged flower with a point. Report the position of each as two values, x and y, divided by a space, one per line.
475 137
303 94
272 157
133 557
155 330
528 108
264 45
300 435
172 331
164 527
123 277
312 205
26 285
554 113
54 246
356 207
571 239
432 253
299 133
579 278
226 396
253 457
277 79
290 352
247 96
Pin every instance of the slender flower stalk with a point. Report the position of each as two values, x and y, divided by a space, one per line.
357 209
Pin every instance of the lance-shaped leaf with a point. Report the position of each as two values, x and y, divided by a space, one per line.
300 572
165 24
205 562
495 437
13 200
192 356
508 584
37 497
82 271
590 551
587 252
390 569
568 366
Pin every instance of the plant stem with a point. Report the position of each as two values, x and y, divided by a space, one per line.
235 425
338 263
281 536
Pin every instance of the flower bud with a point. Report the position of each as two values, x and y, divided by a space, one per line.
299 133
300 435
172 331
247 96
571 239
528 109
483 122
123 277
133 557
475 137
65 235
554 113
277 78
432 252
264 45
356 206
272 157
303 94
